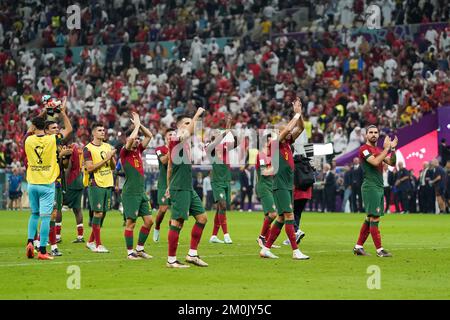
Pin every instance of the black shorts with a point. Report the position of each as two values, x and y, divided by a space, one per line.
15 195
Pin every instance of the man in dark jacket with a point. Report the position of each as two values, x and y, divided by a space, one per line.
246 177
357 180
403 184
329 188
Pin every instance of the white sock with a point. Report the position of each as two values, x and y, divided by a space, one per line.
226 235
192 253
379 250
139 248
357 246
130 251
36 243
296 251
265 248
54 246
171 259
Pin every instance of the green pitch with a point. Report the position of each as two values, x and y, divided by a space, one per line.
420 268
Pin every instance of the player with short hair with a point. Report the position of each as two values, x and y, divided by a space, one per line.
283 185
184 200
220 183
100 163
42 172
162 153
134 199
372 189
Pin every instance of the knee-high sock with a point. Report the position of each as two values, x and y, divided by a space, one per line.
266 227
375 233
274 233
364 233
159 219
223 221
52 233
196 235
216 225
96 221
143 235
45 228
32 226
174 234
58 229
128 234
290 231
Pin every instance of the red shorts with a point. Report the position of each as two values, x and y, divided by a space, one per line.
300 194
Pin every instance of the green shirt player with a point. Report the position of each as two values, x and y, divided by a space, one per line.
283 184
184 200
372 190
220 183
264 189
162 153
134 199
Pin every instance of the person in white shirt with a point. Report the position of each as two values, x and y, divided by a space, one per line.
390 66
339 141
432 36
356 139
207 192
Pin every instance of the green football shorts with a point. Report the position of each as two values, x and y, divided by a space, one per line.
373 200
185 203
135 205
99 198
221 192
72 198
283 201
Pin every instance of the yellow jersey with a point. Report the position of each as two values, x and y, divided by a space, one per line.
103 176
42 159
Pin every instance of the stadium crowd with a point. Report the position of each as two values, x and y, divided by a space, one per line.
345 83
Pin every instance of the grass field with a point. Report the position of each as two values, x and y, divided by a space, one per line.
420 268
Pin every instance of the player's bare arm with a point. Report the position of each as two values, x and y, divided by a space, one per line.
376 161
392 160
134 134
189 130
67 125
91 167
288 129
297 131
148 136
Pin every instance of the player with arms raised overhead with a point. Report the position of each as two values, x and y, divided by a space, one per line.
221 183
135 201
372 190
184 200
283 184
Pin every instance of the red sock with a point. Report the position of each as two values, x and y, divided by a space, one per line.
375 233
96 230
274 233
36 236
363 233
196 235
216 225
266 227
92 237
174 234
159 219
52 235
290 231
58 229
80 230
223 222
